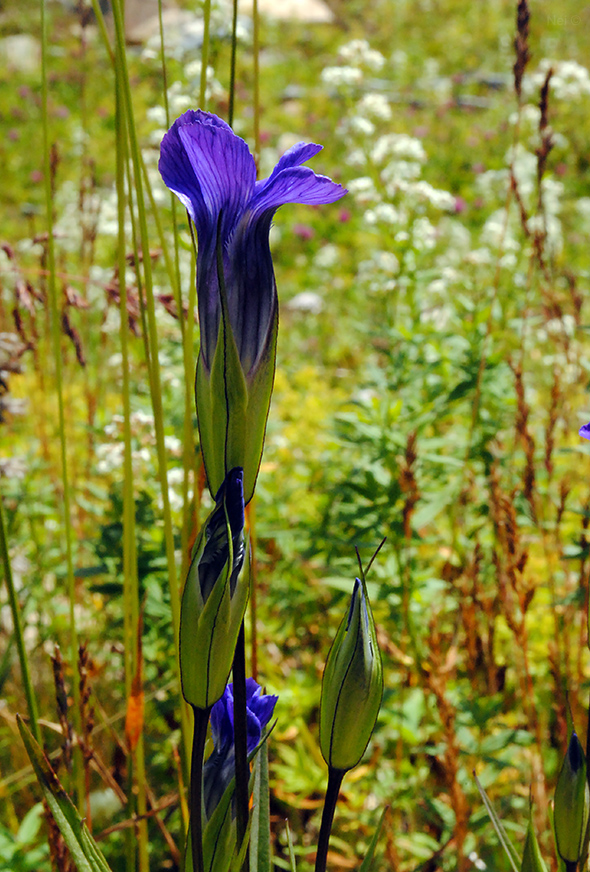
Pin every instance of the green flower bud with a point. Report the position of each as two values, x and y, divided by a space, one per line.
572 800
352 686
232 407
214 598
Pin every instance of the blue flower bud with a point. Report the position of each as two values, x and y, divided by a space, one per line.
571 804
214 598
220 766
352 686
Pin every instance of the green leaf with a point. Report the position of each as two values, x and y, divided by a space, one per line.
84 850
291 850
30 825
531 858
368 861
260 859
509 848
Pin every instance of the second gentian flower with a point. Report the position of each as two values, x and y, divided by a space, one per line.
213 173
220 766
214 597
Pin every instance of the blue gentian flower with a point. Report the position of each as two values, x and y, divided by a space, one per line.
213 173
214 597
585 431
220 766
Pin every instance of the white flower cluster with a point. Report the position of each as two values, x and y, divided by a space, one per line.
363 190
383 213
378 273
340 77
375 105
398 145
570 80
354 59
359 53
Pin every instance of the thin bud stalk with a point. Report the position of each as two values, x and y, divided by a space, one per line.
335 777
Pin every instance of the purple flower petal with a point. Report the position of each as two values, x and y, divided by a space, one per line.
298 154
222 721
585 431
209 168
294 185
213 174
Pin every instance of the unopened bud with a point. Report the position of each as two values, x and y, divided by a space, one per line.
352 686
214 598
572 799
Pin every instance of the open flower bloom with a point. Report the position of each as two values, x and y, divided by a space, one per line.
219 768
213 173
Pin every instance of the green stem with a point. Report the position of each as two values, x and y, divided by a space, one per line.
57 355
205 53
155 381
232 67
196 791
129 616
18 630
256 50
335 777
241 742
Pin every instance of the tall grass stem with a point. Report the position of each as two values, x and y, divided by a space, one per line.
57 356
155 380
18 629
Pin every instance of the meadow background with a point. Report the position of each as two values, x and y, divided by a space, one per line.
432 375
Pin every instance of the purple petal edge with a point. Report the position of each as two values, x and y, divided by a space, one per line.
585 431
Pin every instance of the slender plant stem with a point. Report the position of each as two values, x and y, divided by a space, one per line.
335 777
241 742
57 355
18 630
103 29
251 516
196 804
155 382
205 53
132 622
188 440
232 67
256 50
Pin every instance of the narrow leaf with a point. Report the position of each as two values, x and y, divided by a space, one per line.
502 835
368 861
260 836
290 846
84 850
532 860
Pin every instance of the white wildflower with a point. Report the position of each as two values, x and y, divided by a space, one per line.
359 52
363 189
435 196
341 76
423 234
375 105
384 213
399 145
306 301
356 158
479 257
327 257
570 80
359 124
173 445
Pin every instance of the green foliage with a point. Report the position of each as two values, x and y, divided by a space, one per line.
429 390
